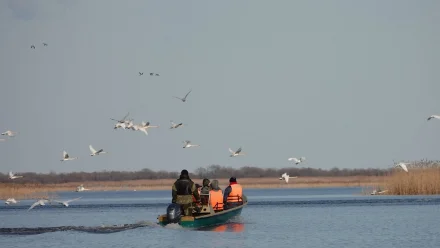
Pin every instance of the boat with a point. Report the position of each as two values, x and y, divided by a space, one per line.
206 216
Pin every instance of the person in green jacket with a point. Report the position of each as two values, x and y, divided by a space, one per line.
183 191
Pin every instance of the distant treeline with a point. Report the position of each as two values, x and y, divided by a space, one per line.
212 171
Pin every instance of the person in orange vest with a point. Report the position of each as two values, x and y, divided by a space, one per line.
216 196
233 195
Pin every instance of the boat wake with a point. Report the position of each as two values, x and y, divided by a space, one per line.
95 229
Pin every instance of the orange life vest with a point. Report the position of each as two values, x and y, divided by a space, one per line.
216 199
236 193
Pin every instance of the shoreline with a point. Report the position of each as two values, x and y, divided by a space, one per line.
34 191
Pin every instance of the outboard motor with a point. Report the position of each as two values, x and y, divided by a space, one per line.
174 213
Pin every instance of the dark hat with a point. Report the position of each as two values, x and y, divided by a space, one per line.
232 179
198 186
184 172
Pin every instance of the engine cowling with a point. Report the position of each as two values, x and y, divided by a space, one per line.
174 213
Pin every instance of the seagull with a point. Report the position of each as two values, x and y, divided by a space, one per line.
66 157
156 74
297 161
94 152
10 201
434 116
236 153
143 127
188 144
402 165
141 73
174 125
32 46
44 44
12 176
286 177
40 202
151 73
9 133
184 99
66 203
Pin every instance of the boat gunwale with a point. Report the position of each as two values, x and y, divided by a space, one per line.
221 212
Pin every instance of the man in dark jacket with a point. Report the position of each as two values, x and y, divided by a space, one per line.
183 191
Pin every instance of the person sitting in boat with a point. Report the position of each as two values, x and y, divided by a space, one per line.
204 192
233 195
216 196
183 191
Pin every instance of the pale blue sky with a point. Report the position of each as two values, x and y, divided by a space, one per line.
343 83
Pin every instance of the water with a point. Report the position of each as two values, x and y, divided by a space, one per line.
330 217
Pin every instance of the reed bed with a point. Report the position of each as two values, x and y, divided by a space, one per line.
417 181
34 191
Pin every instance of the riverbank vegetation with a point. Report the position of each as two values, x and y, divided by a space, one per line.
423 178
213 171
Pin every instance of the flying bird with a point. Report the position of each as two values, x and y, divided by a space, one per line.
188 144
66 203
40 202
66 157
183 99
434 117
143 127
10 201
141 73
156 74
402 165
9 133
44 44
12 176
94 152
175 125
122 123
286 177
32 47
236 153
297 161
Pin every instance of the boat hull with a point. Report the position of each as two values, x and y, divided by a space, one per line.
205 220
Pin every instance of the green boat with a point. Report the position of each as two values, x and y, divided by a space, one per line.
206 216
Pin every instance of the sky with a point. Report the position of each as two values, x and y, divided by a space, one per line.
344 83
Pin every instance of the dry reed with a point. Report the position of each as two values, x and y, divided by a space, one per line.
418 181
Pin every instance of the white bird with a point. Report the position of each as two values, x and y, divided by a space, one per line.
434 116
175 125
81 188
66 157
66 203
236 153
402 165
122 123
297 161
184 98
9 133
12 176
188 144
144 126
94 152
10 201
40 202
286 177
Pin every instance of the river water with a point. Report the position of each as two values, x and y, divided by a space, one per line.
326 217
